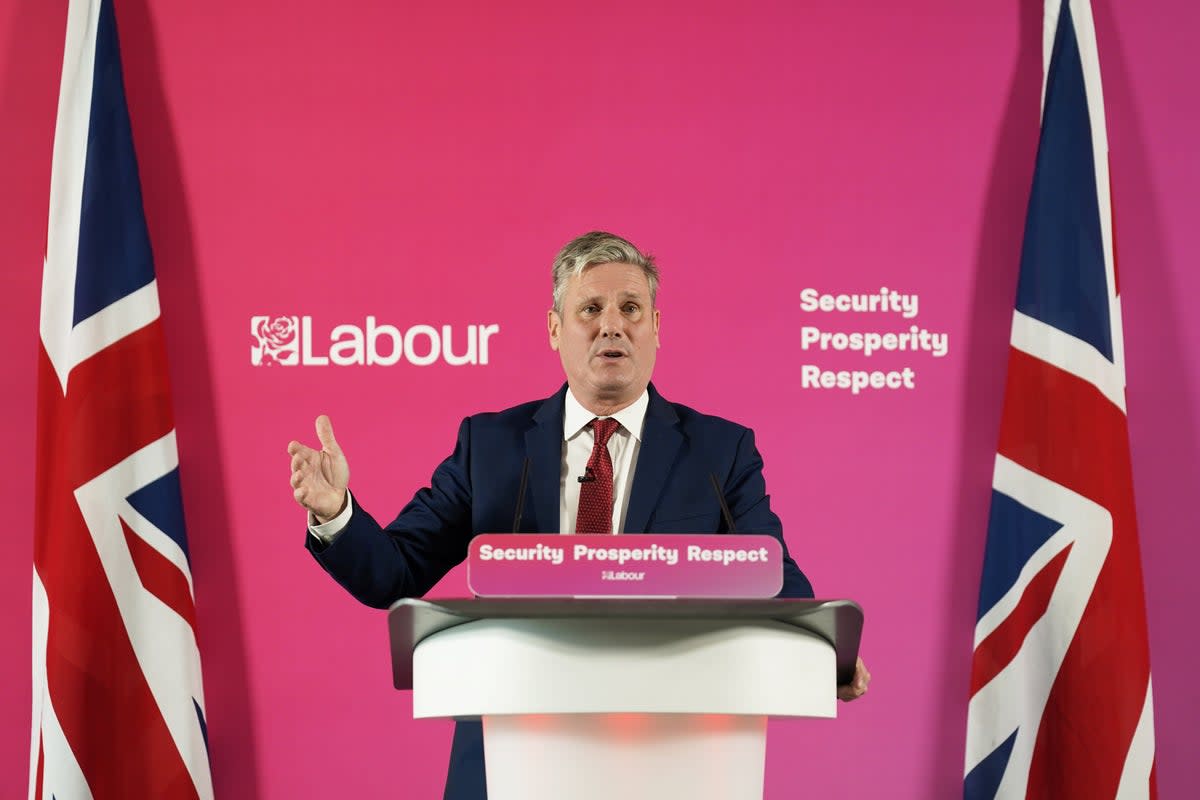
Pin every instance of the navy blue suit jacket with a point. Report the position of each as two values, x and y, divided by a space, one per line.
475 491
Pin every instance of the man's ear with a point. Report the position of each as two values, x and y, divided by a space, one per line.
553 327
657 321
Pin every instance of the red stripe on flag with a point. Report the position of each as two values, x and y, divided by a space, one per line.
1002 645
117 402
1062 427
160 577
100 695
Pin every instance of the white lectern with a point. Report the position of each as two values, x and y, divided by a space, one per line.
624 698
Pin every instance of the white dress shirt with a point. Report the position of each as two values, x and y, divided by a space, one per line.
578 439
623 448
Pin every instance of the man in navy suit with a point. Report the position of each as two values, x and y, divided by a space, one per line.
658 458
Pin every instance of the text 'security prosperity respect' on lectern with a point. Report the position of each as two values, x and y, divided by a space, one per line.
628 697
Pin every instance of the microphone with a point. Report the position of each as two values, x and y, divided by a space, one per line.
588 475
521 496
724 506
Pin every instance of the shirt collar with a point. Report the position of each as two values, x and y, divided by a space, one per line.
576 417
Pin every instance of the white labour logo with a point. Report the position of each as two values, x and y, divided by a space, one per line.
289 341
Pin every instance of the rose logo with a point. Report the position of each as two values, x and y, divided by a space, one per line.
277 340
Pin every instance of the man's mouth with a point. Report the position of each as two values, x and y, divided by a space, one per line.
612 354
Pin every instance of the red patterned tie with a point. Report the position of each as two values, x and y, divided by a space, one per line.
596 493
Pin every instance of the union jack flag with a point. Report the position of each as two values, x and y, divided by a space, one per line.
118 707
1061 703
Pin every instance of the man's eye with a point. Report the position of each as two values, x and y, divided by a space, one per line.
591 309
632 308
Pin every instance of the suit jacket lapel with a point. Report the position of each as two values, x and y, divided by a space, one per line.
543 446
660 444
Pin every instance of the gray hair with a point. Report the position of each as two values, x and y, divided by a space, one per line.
598 247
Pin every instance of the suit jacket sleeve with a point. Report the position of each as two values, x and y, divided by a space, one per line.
750 506
430 536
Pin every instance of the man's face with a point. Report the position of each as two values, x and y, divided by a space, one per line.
607 335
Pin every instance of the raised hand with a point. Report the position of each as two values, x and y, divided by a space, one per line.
320 477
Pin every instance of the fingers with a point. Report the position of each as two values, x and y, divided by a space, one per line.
858 685
305 468
306 457
319 477
325 434
308 491
302 453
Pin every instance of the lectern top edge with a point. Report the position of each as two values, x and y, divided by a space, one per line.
411 620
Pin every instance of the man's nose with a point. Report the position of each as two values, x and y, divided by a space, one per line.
611 322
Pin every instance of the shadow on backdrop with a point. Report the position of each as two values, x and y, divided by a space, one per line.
1162 413
30 69
994 292
233 743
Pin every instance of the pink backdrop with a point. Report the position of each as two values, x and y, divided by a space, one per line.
421 163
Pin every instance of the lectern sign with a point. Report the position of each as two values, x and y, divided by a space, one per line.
631 565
